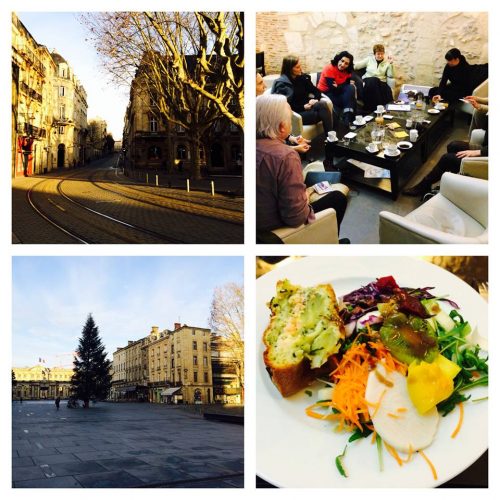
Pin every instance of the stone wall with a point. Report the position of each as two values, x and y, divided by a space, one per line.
417 40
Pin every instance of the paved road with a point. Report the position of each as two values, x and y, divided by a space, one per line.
122 445
98 204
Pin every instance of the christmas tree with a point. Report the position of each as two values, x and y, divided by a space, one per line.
91 373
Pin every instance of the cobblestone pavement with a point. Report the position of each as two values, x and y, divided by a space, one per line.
169 215
122 445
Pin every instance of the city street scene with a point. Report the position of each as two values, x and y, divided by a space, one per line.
134 381
127 127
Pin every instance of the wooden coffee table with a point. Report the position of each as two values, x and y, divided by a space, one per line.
400 167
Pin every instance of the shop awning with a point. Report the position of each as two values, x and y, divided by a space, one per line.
131 388
170 391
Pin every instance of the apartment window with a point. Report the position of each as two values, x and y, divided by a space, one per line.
62 112
181 152
205 361
195 376
205 378
62 91
172 348
61 130
173 363
153 124
195 345
205 346
195 360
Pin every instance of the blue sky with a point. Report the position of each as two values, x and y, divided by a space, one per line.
64 33
52 297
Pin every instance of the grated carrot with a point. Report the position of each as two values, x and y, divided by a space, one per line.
429 463
392 415
394 454
410 454
460 420
350 377
402 410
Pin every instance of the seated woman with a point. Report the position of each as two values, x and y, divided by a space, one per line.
298 143
459 78
282 197
304 98
336 83
378 69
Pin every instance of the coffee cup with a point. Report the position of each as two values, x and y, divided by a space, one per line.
359 119
380 108
413 135
332 136
409 123
391 149
372 147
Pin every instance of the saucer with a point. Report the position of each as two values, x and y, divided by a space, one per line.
433 111
404 145
332 140
397 153
368 118
370 151
358 124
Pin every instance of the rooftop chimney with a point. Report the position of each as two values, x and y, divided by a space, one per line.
177 326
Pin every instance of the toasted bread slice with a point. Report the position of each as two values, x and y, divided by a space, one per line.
304 331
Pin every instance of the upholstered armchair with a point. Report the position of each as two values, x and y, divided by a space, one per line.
322 230
457 214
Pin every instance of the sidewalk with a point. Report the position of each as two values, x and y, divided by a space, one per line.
223 184
122 445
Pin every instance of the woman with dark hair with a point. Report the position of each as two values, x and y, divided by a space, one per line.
378 70
304 98
462 77
336 83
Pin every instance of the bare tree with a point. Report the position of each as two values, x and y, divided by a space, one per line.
227 320
189 64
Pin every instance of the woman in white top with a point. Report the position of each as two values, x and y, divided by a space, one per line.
378 70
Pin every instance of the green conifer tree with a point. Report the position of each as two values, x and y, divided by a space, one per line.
91 373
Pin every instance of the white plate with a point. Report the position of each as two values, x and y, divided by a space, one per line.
404 145
433 111
294 450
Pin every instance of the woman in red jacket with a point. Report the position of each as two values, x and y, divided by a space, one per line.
336 83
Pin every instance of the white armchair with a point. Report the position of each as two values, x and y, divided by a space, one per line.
457 214
322 230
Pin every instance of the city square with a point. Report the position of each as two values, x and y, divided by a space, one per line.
124 445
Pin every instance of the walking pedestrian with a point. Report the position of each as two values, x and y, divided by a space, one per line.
58 401
21 400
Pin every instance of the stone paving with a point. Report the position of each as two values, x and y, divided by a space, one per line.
122 445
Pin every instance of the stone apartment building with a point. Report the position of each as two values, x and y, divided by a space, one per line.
183 365
40 382
49 108
150 142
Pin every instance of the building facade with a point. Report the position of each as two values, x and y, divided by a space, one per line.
129 382
180 365
40 382
49 108
150 142
167 366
